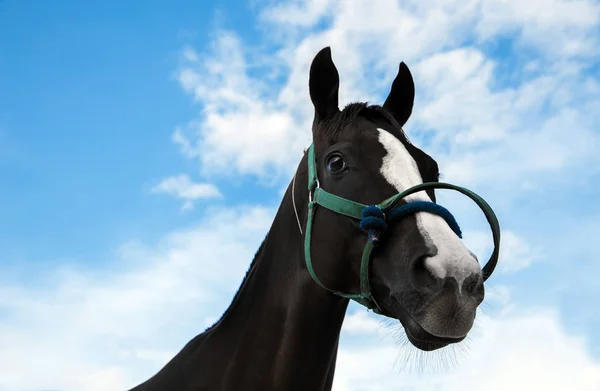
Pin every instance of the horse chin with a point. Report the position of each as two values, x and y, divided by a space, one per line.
421 338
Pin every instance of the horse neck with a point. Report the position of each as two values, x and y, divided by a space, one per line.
281 321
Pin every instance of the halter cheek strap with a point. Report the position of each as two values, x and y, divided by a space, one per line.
375 219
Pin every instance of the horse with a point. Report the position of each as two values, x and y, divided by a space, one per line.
358 221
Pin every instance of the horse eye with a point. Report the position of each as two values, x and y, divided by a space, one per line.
336 163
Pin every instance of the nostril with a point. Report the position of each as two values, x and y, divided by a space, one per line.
422 278
469 285
473 285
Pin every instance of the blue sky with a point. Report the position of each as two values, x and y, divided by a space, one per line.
126 130
88 105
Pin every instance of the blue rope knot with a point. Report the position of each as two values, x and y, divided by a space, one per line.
373 222
374 219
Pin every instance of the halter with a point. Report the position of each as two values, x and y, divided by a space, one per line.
374 219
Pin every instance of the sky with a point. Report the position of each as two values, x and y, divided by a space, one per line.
144 143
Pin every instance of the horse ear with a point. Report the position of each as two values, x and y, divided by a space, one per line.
402 96
324 83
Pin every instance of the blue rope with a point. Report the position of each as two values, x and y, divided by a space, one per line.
375 222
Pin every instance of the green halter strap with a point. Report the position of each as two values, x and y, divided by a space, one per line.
352 209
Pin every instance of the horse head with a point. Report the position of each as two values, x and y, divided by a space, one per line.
418 269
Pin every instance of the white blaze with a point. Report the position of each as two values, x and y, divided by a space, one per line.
401 171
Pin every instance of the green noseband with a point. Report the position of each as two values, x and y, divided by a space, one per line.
374 219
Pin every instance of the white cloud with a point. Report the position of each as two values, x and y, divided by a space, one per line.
559 27
253 125
182 187
243 130
515 253
516 350
541 127
101 331
360 322
190 54
104 331
297 13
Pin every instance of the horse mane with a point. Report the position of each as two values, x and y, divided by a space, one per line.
338 122
237 293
